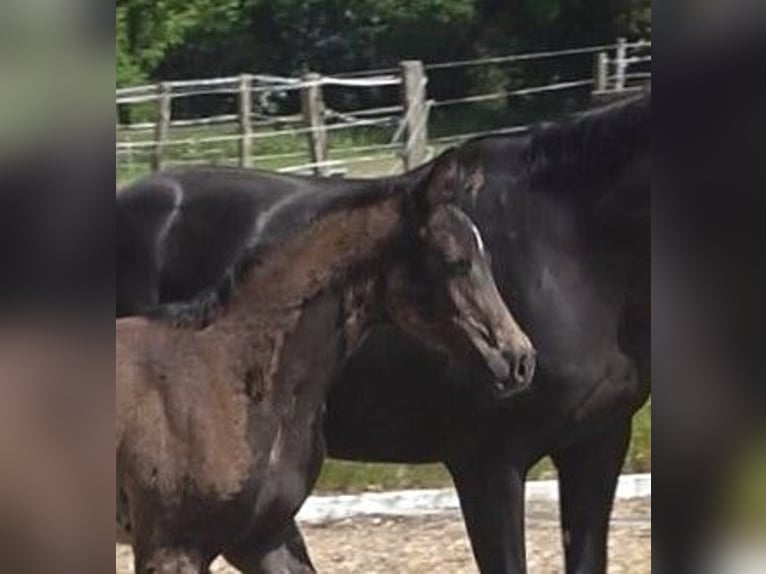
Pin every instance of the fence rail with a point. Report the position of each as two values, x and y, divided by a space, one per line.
234 138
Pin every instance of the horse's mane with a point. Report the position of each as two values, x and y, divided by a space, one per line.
284 220
205 307
590 145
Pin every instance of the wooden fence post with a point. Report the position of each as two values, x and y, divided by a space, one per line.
162 125
312 107
415 113
621 64
245 115
601 73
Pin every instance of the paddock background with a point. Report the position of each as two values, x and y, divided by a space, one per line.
365 123
425 545
192 92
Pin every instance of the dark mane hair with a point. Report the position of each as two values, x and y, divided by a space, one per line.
203 309
282 221
590 145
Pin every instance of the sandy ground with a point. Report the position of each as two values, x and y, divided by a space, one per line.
438 544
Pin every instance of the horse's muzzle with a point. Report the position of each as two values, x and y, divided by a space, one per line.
515 374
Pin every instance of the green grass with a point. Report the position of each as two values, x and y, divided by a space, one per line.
639 457
343 476
340 144
745 503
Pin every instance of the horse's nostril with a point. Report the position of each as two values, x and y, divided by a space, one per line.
525 368
519 370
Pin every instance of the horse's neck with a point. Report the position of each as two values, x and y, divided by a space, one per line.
331 252
297 352
316 295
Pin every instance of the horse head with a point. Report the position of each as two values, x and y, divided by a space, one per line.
443 292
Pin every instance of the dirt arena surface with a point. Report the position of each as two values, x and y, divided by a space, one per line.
427 545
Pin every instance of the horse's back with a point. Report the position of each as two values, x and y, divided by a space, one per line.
177 232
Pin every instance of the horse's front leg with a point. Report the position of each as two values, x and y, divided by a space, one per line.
288 555
165 560
156 550
491 493
588 473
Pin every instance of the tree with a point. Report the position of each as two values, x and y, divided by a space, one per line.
147 30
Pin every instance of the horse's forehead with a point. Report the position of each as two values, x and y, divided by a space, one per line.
462 230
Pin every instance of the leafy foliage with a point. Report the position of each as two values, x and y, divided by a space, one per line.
147 30
183 38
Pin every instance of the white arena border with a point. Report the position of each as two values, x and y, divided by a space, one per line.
319 509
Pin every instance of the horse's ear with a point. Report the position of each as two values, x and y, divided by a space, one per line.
443 181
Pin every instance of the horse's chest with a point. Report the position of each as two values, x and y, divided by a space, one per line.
288 466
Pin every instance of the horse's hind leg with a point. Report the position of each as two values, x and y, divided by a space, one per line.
288 555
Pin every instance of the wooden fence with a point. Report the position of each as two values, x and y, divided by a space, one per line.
611 77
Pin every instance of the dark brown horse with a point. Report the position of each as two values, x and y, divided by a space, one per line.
220 400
